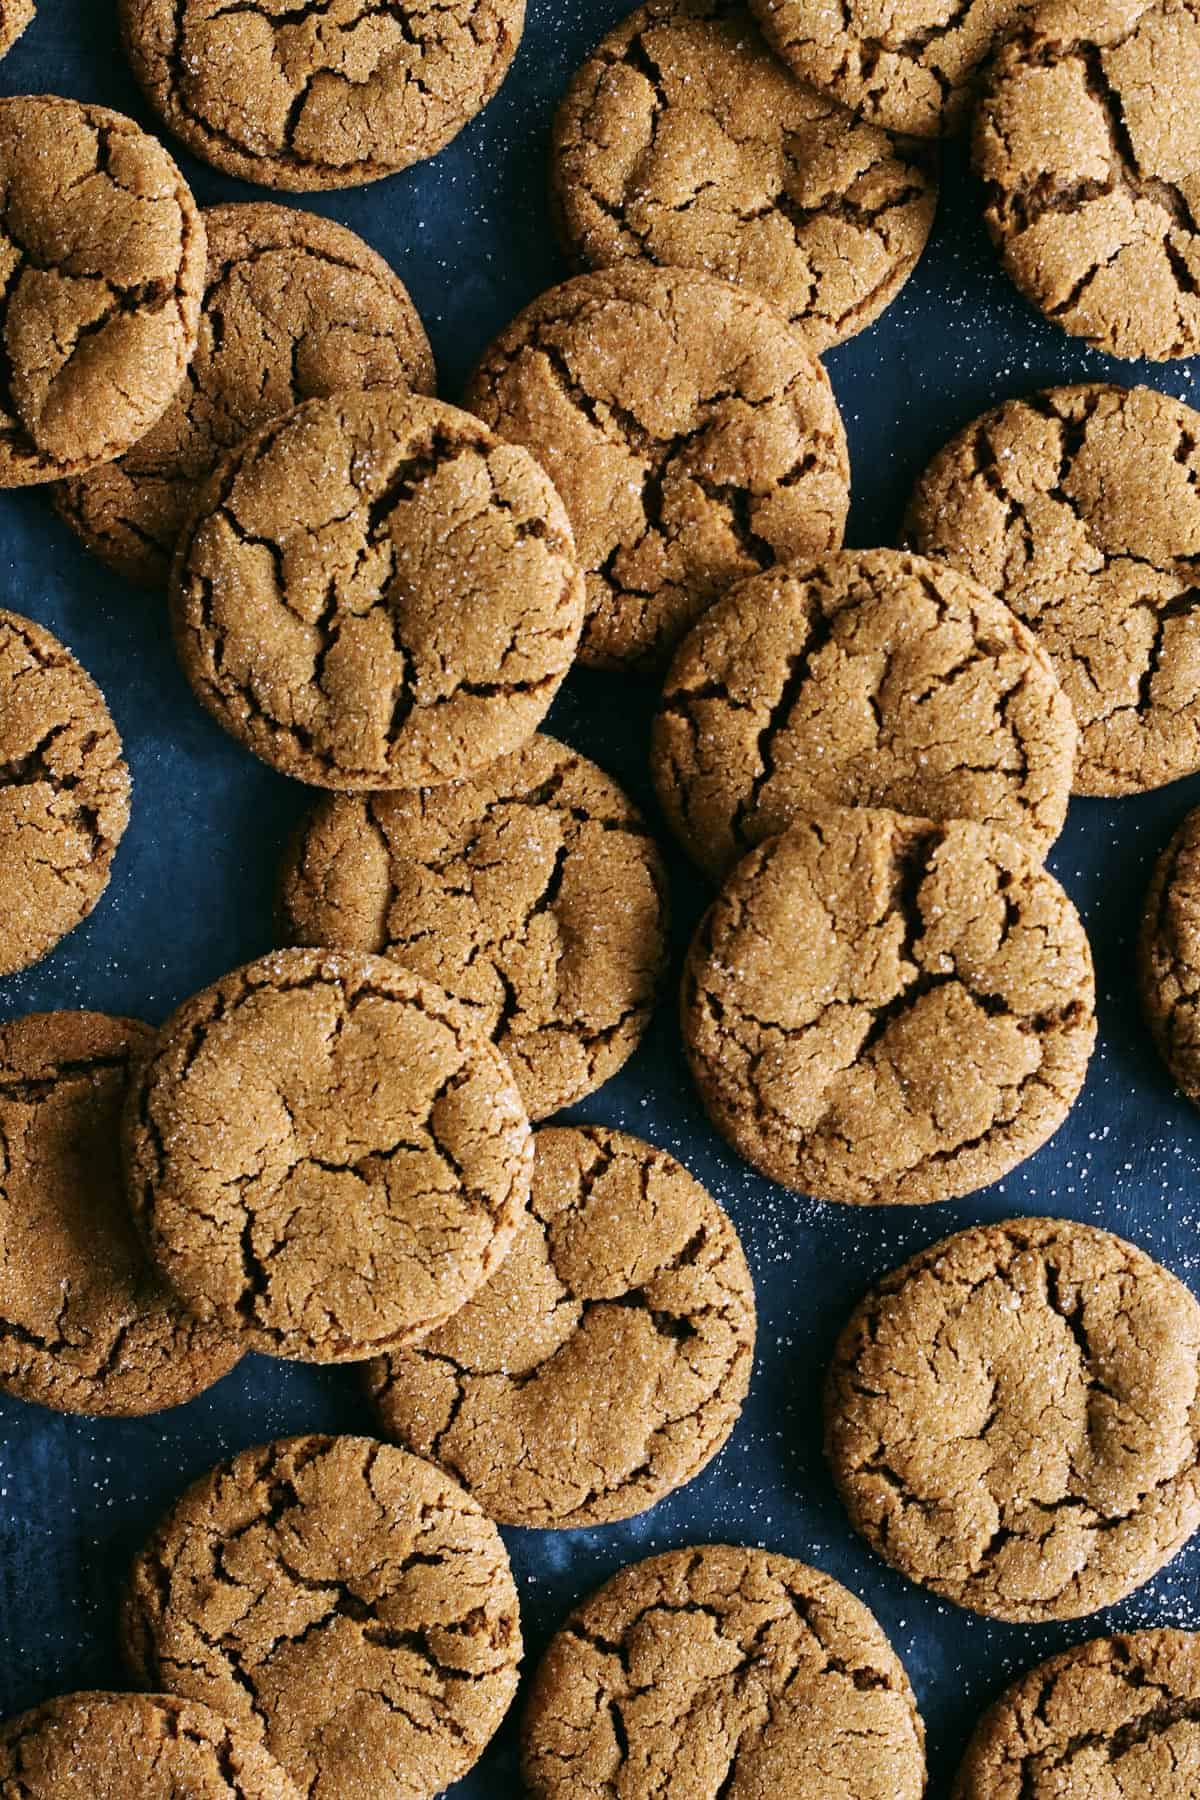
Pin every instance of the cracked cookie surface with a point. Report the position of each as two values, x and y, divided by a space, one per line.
15 15
1169 956
879 1010
64 793
720 1670
295 307
534 894
325 1155
102 267
869 678
345 1603
303 94
1080 508
376 592
692 434
606 1361
1088 142
683 141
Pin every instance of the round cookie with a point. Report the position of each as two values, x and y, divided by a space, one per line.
326 95
1079 507
326 1157
134 1747
15 15
345 1603
1169 956
692 435
376 592
883 1011
722 1670
64 792
534 894
1088 143
605 1363
869 678
103 258
295 307
682 140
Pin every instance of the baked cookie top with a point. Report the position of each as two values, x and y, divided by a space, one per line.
1169 956
15 15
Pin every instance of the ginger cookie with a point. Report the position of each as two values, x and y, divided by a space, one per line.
134 1747
347 1605
1088 143
15 16
295 307
869 678
376 592
722 1670
1079 508
1013 1419
324 94
64 792
103 264
880 1010
1169 957
606 1361
534 894
689 429
1115 1719
325 1155
683 141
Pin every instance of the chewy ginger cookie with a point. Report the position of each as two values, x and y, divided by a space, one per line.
606 1361
103 253
684 141
325 1155
376 592
325 94
721 1670
692 434
15 15
1169 956
534 894
869 678
295 307
880 1010
345 1604
64 793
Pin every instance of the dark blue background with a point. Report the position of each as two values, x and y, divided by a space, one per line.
191 894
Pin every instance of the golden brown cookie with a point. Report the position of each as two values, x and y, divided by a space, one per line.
683 141
534 894
103 254
15 15
323 94
295 307
869 678
1169 956
1079 507
1088 141
64 792
376 592
720 1670
326 1157
690 431
346 1604
606 1361
883 1011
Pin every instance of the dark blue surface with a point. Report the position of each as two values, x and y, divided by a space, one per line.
190 898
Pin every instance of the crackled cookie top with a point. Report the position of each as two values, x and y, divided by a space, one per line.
376 592
319 93
64 792
690 431
15 15
685 141
345 1603
1169 956
1088 140
606 1361
326 1157
881 1010
1079 507
102 264
869 678
295 307
533 893
718 1671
